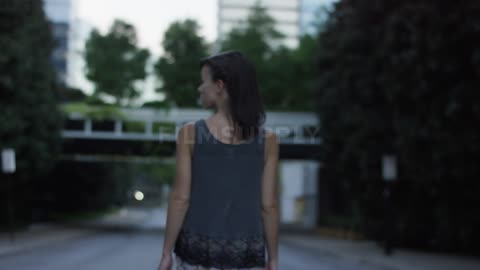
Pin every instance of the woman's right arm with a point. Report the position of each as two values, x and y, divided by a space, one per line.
270 207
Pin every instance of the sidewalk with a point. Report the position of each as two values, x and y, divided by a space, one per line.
124 219
367 252
38 235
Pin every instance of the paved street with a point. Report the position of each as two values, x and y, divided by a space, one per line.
140 250
132 239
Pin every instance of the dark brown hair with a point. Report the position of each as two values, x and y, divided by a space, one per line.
245 103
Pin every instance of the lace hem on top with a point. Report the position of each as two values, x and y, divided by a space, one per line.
207 251
181 265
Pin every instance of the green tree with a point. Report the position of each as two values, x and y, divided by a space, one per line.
400 77
66 94
258 39
29 120
178 68
115 64
297 69
261 42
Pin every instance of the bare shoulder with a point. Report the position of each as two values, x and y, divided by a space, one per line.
186 135
271 145
271 138
187 130
189 125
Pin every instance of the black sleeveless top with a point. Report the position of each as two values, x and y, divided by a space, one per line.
223 227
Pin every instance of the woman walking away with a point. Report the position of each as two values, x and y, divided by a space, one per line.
223 208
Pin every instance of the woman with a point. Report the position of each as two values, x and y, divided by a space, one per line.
223 209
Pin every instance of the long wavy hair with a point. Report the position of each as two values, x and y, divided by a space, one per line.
240 78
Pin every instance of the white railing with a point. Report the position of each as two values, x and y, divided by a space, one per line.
291 127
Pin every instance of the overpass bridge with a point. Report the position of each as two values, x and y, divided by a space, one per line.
151 132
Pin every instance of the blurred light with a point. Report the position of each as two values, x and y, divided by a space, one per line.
139 195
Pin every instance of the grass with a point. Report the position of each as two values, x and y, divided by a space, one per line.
107 112
133 126
164 127
93 112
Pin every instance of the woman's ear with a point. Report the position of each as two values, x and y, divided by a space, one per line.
220 84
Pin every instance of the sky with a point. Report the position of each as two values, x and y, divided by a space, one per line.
151 19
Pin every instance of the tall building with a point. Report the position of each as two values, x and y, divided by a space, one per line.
59 13
285 13
292 17
311 14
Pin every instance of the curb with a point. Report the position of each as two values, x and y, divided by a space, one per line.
8 248
346 256
366 252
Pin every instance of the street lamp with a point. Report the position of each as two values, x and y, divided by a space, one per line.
389 174
8 167
389 168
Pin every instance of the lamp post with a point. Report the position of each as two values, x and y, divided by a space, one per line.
8 168
389 174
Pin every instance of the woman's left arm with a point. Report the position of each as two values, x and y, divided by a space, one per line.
179 200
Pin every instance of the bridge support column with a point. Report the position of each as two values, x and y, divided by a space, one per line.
87 126
149 128
118 127
298 134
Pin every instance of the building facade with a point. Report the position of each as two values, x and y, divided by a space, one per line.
292 17
60 14
232 13
311 14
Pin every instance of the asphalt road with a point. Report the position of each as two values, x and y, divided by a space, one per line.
137 250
